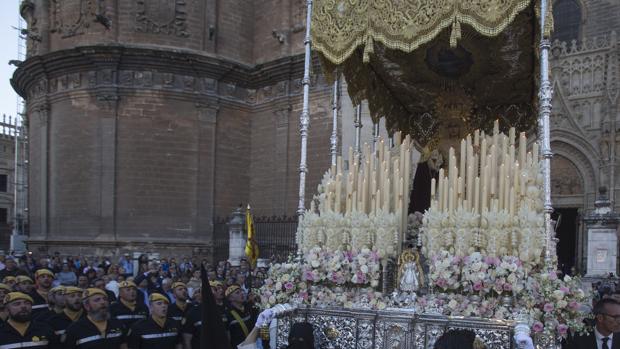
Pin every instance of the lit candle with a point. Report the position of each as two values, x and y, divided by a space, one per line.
432 188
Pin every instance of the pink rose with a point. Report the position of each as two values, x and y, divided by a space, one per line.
308 276
288 286
442 283
564 289
573 305
553 276
548 307
562 330
537 326
507 287
477 286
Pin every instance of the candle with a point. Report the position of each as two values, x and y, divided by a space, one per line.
350 158
338 193
463 155
446 194
496 127
523 178
502 177
339 165
440 189
470 184
535 153
483 200
511 136
451 201
364 196
477 194
373 208
522 148
512 201
507 193
432 189
516 179
476 138
378 201
386 199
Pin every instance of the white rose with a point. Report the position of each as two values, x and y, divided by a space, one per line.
285 278
315 264
567 278
562 304
453 304
364 269
278 285
558 294
272 300
476 266
374 283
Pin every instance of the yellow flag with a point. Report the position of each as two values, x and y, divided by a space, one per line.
251 247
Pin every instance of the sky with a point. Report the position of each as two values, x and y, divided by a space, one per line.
9 14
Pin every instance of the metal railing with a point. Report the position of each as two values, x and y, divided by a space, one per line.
275 236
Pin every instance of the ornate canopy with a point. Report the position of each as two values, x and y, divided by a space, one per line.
434 68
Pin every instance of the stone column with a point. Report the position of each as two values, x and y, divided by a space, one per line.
237 237
602 239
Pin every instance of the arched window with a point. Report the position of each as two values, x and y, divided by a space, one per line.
567 19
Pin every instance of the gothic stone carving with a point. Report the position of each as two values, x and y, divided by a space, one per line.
566 180
73 17
162 17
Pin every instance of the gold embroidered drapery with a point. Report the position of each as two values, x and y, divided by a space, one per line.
435 69
341 26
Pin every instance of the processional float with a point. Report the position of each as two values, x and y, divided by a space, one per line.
371 274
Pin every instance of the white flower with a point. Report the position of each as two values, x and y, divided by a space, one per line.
364 269
315 264
558 294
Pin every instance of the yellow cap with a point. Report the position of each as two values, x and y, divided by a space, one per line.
232 289
43 272
14 296
89 292
23 278
72 289
178 284
215 283
58 289
154 297
8 279
125 284
5 287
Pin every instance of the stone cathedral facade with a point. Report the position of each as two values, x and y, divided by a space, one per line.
147 119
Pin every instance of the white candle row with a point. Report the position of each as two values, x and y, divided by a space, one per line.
489 174
379 181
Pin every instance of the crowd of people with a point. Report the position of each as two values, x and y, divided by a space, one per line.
76 302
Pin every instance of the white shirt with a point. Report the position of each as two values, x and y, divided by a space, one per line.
599 339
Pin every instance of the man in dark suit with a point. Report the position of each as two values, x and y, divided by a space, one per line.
606 332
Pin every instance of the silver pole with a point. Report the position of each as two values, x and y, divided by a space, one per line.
358 133
334 138
304 119
545 94
375 136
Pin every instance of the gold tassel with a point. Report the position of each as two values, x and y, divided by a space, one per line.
455 35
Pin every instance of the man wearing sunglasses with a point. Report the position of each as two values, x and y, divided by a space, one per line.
606 333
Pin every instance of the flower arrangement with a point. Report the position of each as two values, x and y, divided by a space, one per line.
444 271
508 274
365 267
282 284
556 305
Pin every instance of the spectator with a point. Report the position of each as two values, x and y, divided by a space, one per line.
606 331
10 268
127 264
66 277
82 282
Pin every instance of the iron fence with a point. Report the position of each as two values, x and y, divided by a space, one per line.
275 236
